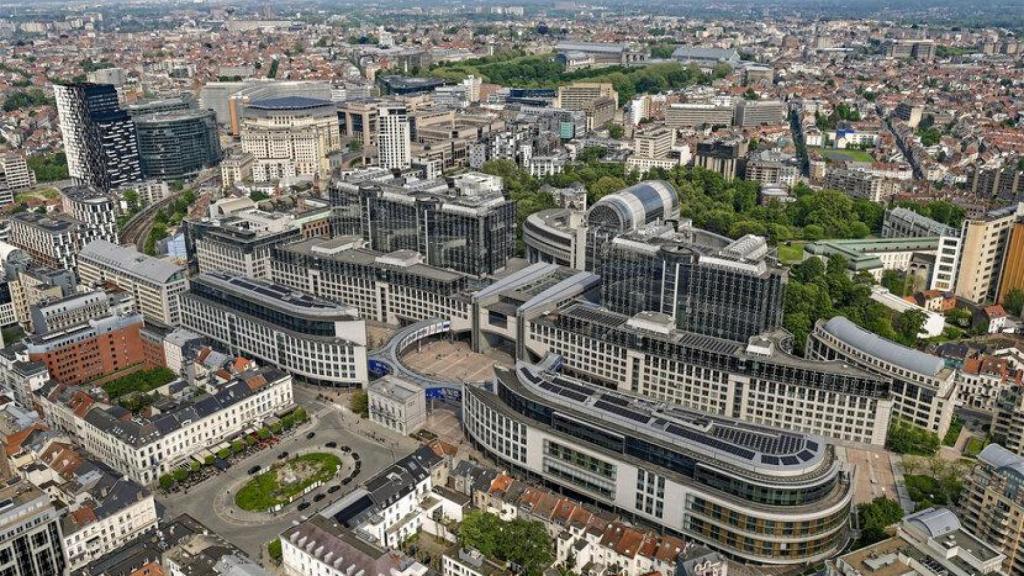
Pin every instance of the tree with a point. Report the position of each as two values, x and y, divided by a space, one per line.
1014 301
895 281
482 531
522 542
258 196
604 186
360 403
274 550
875 517
906 438
166 482
616 131
908 325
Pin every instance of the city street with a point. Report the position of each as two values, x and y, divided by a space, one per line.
330 422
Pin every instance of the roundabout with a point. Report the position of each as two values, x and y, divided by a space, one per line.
287 481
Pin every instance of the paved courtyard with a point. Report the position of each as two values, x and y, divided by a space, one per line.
874 476
453 360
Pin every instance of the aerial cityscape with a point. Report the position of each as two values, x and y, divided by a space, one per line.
512 288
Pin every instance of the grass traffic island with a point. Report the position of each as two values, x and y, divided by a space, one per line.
283 482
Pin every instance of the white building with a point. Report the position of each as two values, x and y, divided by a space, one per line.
15 172
923 391
397 404
144 449
154 283
321 546
934 322
469 562
394 145
316 340
386 509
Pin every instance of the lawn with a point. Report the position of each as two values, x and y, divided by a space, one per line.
848 154
283 482
926 491
143 381
974 447
792 253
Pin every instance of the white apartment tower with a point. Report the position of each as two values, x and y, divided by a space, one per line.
393 138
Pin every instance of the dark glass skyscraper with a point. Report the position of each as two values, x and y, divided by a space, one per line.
708 284
472 232
99 137
177 144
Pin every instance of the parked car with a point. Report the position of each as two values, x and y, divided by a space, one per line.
282 455
303 505
331 444
346 481
319 497
310 435
254 469
333 489
355 456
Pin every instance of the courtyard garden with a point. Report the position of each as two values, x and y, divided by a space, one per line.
284 482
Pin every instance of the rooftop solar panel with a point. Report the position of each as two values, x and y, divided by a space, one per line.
619 410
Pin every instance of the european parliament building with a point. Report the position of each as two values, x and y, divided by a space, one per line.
756 493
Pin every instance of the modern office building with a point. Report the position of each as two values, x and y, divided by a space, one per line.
750 113
726 156
95 209
758 494
86 351
394 146
316 340
144 448
863 183
15 173
234 245
643 204
1011 276
924 389
929 542
290 137
756 382
154 283
992 504
692 115
53 241
705 283
771 168
394 288
31 542
558 236
99 137
176 145
464 225
580 95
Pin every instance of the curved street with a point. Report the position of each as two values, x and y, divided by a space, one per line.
209 503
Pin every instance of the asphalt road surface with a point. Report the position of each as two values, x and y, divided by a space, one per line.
331 423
